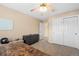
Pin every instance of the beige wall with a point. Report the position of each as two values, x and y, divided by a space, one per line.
23 24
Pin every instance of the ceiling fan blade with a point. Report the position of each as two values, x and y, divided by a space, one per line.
34 9
50 7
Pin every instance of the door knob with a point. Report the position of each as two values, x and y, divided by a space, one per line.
75 33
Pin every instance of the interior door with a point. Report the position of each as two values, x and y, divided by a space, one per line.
57 30
41 30
70 28
77 34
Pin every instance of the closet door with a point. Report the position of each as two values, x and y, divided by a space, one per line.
77 34
70 27
57 31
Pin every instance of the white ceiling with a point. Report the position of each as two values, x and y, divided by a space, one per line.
26 7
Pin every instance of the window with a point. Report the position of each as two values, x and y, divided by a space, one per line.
6 24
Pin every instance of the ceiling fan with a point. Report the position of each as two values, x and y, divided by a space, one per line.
43 7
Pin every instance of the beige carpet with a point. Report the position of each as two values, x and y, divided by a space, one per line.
55 49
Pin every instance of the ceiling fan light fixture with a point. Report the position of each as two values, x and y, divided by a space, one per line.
43 9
